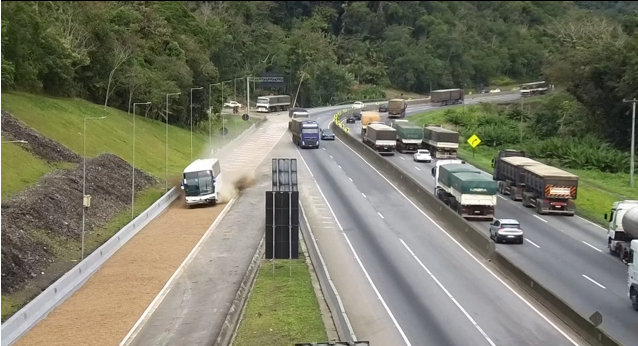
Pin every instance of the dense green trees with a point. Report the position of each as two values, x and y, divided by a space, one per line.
118 52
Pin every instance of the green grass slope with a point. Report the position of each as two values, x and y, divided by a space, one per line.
20 168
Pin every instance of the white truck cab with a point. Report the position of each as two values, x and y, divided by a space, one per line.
618 239
632 279
202 181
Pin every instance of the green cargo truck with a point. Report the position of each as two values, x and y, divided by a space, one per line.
467 190
409 136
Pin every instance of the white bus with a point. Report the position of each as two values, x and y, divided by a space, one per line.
202 181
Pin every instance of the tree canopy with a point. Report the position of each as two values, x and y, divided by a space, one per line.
118 52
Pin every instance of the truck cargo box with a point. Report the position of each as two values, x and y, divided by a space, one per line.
440 134
550 182
447 96
511 168
381 132
408 130
368 117
396 106
446 171
473 183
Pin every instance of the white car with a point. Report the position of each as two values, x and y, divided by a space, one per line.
358 105
232 104
422 155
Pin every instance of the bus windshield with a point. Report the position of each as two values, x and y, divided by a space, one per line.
198 183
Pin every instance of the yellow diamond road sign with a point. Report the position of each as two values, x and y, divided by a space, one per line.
474 141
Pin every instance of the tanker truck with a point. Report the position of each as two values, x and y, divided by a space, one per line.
623 228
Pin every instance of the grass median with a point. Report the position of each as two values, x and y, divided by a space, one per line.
597 191
282 308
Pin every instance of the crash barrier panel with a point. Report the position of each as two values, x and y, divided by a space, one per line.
480 242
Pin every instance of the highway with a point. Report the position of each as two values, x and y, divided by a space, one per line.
435 291
567 255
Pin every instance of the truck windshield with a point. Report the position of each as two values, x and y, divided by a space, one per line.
310 130
198 183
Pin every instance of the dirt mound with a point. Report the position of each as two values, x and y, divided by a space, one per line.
40 146
52 209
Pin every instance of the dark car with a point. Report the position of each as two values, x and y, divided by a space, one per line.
350 120
327 134
356 114
383 107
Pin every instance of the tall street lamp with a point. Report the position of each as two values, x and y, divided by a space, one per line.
133 174
210 115
191 102
166 163
86 200
633 137
223 117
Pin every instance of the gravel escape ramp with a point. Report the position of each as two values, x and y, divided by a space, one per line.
103 311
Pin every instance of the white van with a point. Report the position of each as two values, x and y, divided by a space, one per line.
202 181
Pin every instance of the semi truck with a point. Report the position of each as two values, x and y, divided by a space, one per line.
550 190
534 89
446 97
510 176
409 136
202 181
466 190
396 108
367 118
632 281
623 228
305 133
441 142
273 103
381 138
297 113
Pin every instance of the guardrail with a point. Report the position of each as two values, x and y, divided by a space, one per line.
470 235
37 309
427 100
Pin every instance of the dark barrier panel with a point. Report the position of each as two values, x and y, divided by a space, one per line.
468 234
282 225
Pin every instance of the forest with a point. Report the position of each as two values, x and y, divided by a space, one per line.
118 52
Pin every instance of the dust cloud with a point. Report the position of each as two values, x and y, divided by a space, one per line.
240 182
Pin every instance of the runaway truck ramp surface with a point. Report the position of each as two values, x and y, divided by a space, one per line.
112 300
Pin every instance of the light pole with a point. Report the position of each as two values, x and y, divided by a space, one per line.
19 141
85 203
166 163
633 139
133 174
191 102
223 117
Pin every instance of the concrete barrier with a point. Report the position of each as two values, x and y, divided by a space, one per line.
470 235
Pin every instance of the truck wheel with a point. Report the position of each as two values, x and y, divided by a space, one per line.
634 299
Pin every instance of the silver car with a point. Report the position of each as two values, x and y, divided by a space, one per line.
506 230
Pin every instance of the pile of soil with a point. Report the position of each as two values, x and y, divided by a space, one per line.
53 206
39 145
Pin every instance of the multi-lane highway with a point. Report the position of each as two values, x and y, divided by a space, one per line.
565 254
434 290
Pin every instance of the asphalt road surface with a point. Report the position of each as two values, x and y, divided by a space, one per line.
435 291
567 255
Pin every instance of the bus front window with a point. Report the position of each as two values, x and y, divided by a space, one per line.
198 183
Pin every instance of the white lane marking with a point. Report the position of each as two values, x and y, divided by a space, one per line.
545 318
458 305
594 281
591 246
350 179
364 195
597 225
339 166
531 242
323 148
381 215
417 168
365 272
540 218
402 158
331 157
325 269
501 197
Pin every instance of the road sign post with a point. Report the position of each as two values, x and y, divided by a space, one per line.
474 142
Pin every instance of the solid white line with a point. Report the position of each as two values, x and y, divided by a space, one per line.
364 195
556 327
594 281
350 179
365 272
597 225
591 246
531 242
417 168
540 218
331 157
458 305
402 158
501 197
339 166
323 148
325 269
381 215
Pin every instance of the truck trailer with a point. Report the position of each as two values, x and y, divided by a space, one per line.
446 97
442 143
510 176
305 133
550 190
202 181
273 103
409 136
368 117
632 280
381 138
396 108
467 191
